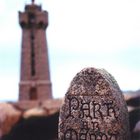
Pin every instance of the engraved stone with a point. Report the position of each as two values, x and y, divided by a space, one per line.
94 108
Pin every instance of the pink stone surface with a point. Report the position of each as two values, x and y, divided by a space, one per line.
94 108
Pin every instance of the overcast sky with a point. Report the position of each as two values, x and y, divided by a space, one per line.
81 33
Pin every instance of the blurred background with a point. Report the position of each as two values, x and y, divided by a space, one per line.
102 34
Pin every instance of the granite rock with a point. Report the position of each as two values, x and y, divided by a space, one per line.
94 108
15 115
8 117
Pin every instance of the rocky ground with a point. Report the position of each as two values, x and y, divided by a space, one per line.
39 120
133 102
29 120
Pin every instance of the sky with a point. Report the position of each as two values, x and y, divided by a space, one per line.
81 33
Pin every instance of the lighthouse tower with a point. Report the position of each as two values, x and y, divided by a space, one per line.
35 81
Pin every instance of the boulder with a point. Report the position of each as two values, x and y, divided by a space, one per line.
94 108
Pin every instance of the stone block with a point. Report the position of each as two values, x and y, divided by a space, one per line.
94 108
